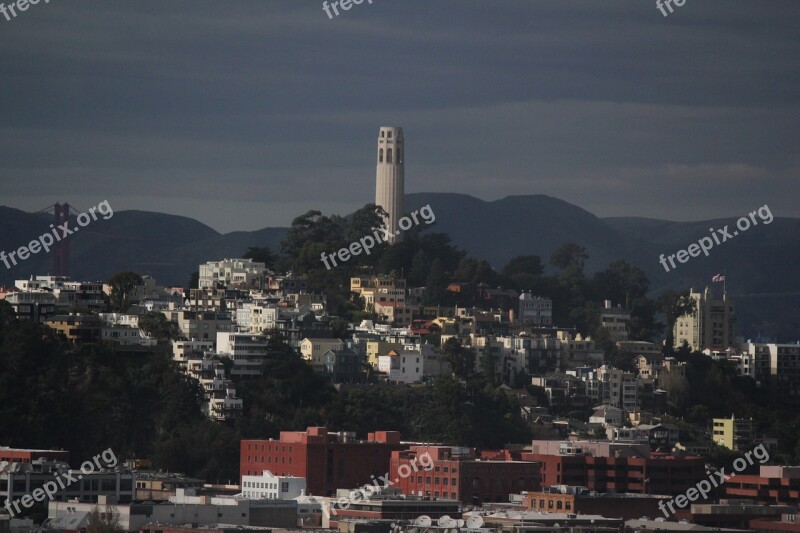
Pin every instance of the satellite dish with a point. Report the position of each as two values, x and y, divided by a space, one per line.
446 522
423 521
475 522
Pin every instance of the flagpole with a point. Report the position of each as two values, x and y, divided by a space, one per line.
724 283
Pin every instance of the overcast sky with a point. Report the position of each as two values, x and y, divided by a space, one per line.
245 113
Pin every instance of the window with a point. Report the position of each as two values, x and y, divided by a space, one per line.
388 155
389 134
380 155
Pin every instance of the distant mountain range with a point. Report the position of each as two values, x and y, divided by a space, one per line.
760 263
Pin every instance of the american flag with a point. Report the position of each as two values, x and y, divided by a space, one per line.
717 278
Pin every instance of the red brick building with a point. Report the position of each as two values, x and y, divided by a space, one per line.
778 485
328 461
456 474
17 455
654 474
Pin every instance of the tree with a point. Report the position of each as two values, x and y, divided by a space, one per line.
194 281
157 326
436 283
462 360
621 283
489 364
673 305
107 522
569 255
122 285
524 264
260 255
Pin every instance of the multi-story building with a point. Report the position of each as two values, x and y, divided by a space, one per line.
198 511
394 313
734 433
328 461
711 325
161 486
268 486
24 455
580 500
313 351
773 485
775 365
343 366
402 367
219 392
619 466
182 350
578 350
379 289
535 311
246 350
233 274
36 306
76 327
200 324
616 321
257 317
19 479
457 474
524 354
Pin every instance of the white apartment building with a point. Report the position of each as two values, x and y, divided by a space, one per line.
535 310
402 367
126 336
220 395
247 351
182 351
619 388
268 486
712 325
777 365
256 317
233 274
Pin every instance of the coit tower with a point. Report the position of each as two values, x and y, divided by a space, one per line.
390 178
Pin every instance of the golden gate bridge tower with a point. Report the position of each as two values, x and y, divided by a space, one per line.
61 214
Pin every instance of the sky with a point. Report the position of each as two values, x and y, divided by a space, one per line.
243 114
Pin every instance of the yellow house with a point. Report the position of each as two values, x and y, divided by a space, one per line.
376 348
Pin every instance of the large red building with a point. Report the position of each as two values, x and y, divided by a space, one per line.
455 473
18 455
328 461
655 473
778 485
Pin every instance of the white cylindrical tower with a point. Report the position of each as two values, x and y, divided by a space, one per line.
390 178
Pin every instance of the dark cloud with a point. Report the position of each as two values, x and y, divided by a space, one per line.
245 113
